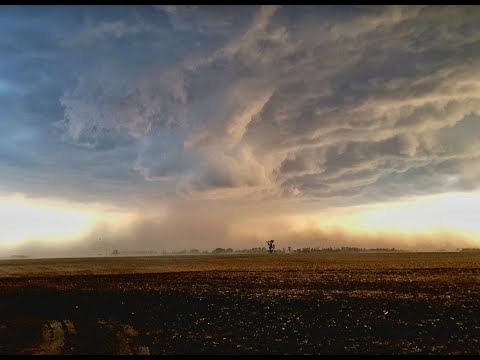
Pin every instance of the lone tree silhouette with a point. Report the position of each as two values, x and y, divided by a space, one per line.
271 245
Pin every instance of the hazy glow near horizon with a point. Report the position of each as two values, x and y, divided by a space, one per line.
24 219
454 212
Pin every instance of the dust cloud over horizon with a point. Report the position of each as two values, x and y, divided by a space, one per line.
196 226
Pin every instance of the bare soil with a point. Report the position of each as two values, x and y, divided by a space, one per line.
384 303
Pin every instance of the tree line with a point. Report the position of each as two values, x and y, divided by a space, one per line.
265 250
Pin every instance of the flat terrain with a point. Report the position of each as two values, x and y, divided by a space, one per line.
341 303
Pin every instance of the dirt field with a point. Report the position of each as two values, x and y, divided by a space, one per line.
395 303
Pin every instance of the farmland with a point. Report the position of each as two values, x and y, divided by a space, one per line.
319 303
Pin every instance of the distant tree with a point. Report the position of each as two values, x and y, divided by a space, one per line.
271 245
115 252
289 249
218 251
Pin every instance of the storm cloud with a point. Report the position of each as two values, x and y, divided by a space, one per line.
146 105
299 103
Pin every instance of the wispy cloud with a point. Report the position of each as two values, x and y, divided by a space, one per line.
316 104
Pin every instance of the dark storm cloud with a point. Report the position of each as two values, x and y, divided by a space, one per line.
309 102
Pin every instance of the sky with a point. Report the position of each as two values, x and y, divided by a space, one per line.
171 127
